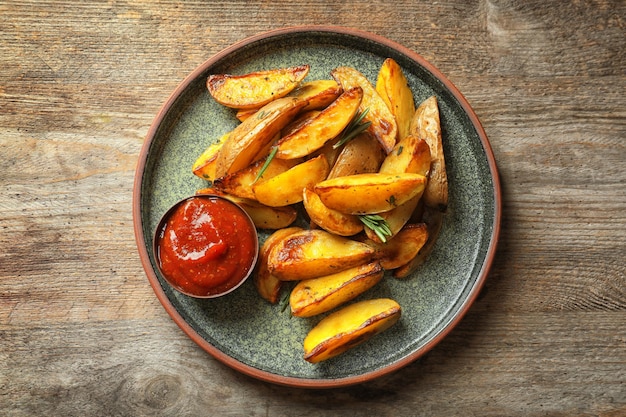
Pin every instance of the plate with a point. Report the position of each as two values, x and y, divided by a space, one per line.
256 338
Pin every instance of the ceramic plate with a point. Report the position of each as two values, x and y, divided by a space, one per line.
256 338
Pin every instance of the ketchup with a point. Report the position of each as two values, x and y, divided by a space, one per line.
206 246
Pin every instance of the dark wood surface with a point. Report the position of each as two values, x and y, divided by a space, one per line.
81 332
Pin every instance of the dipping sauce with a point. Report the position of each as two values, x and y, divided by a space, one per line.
206 246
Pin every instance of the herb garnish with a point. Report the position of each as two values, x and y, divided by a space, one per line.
266 163
354 128
378 225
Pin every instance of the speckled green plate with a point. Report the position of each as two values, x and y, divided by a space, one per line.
256 338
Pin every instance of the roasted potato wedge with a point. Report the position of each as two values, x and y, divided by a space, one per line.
267 285
240 183
360 155
369 193
384 126
315 253
400 250
286 188
426 124
318 295
330 220
315 132
434 220
253 135
395 218
393 88
205 165
264 217
255 89
411 154
348 327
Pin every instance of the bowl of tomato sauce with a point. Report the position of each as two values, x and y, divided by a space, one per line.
206 246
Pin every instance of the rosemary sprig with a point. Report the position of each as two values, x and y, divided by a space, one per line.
378 225
266 164
354 128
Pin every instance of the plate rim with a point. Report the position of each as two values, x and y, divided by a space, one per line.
296 381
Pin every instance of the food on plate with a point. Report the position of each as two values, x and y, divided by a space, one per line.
255 89
326 125
206 246
315 253
426 124
383 127
393 88
362 165
369 193
318 295
349 327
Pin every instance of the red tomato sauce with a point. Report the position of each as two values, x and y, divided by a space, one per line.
206 246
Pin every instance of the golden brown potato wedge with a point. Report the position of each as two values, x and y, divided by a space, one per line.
384 126
205 165
426 124
395 218
267 285
394 89
318 295
315 132
360 155
286 188
255 89
434 221
402 248
411 154
264 217
330 220
348 327
302 118
240 183
319 93
253 135
369 193
315 253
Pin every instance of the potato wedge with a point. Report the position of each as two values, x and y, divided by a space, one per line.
267 285
411 154
393 88
255 89
264 217
369 193
384 126
330 220
434 221
240 183
426 124
315 253
318 295
204 166
360 155
253 135
286 188
395 218
402 248
315 132
349 327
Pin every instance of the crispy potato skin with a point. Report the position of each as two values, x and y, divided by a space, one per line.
249 138
315 132
393 88
255 89
361 155
426 124
349 327
434 221
402 248
267 285
384 126
318 295
369 193
330 220
205 166
315 253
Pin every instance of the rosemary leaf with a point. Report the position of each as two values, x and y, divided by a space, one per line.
266 164
377 224
354 128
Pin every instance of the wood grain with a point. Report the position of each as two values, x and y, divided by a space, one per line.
80 328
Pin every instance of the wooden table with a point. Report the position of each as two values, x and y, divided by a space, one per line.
81 332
